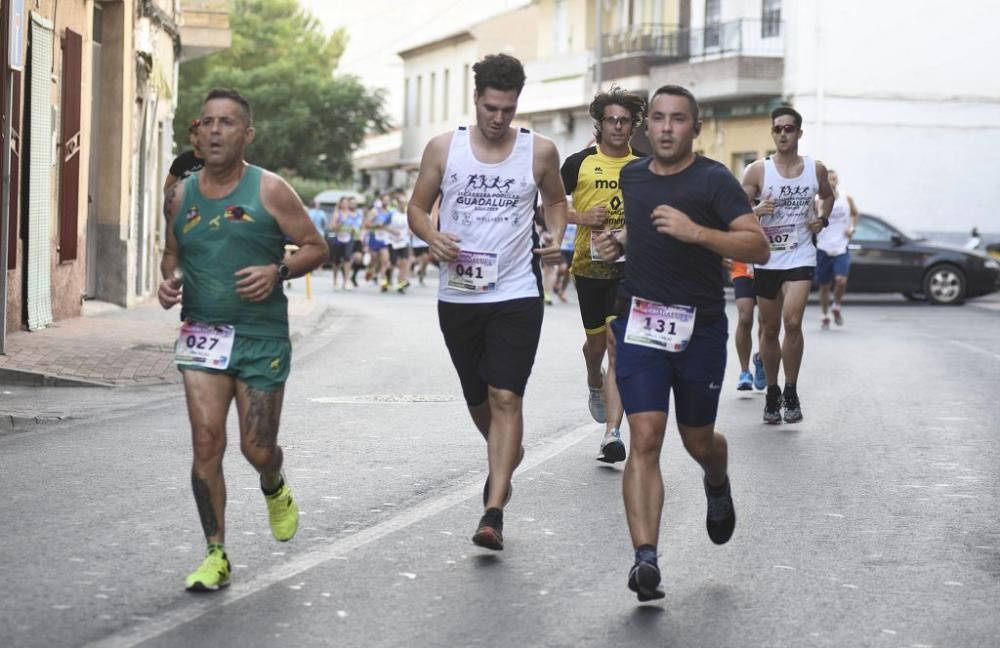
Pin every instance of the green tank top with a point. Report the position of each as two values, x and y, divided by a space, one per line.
216 238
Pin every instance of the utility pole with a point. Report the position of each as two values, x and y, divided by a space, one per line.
598 46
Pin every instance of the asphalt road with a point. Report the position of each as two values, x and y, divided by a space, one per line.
871 523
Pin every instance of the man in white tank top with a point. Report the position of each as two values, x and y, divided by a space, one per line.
833 260
786 184
490 293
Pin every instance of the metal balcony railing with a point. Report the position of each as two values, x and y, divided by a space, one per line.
743 37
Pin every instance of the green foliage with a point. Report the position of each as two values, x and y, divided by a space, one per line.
308 188
308 121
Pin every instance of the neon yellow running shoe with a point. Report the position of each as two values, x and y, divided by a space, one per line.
283 514
213 574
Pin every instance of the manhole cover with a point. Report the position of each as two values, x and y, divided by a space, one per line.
387 399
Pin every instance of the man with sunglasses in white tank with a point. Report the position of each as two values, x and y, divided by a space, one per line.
786 184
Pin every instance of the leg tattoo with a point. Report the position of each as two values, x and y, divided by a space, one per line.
203 498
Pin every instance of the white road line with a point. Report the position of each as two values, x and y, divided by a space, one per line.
139 633
972 347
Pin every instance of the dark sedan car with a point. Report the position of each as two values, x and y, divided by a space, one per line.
885 259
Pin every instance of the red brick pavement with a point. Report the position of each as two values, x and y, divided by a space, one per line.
125 347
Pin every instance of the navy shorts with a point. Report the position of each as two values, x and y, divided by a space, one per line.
743 288
828 267
646 376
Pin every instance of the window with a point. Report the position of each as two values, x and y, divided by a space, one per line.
741 161
419 100
432 92
770 18
444 94
713 22
869 230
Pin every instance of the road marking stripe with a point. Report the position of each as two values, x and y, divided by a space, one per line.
238 591
972 347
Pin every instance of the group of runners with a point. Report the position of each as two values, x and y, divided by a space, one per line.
651 236
376 241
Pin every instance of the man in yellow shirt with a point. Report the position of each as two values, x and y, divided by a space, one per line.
591 178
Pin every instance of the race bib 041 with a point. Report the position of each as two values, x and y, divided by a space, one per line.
473 271
660 326
204 345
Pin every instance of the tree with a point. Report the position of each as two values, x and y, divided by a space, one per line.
308 120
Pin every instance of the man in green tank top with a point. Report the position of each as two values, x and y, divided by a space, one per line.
224 262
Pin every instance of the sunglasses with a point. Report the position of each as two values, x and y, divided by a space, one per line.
617 121
788 128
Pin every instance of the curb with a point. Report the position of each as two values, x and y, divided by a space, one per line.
25 378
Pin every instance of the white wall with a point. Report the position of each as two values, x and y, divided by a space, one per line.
904 103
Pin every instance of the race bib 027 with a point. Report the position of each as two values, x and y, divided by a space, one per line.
204 345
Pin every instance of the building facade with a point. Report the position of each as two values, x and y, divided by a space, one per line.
92 142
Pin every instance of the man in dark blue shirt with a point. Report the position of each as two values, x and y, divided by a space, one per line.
683 213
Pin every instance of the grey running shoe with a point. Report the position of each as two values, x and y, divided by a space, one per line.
721 518
838 319
612 448
793 409
596 404
644 580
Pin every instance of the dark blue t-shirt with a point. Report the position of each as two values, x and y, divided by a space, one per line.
658 266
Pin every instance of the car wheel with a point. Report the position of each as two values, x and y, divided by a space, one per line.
914 296
944 284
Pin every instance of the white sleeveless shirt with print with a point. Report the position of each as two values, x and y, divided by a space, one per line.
790 239
833 239
490 208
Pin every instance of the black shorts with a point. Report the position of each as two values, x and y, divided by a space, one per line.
340 251
567 257
767 283
395 254
597 299
492 345
419 251
743 288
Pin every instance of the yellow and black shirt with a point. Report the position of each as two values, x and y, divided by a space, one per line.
591 178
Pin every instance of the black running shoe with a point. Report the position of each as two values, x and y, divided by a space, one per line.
772 407
793 408
644 580
510 487
721 518
489 534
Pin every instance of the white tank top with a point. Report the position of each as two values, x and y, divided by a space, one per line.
833 239
791 241
491 209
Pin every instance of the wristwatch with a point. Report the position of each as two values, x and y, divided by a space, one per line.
284 272
826 221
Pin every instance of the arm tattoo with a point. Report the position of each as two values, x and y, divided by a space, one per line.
203 498
262 417
168 202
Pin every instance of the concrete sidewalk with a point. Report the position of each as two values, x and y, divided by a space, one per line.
113 346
